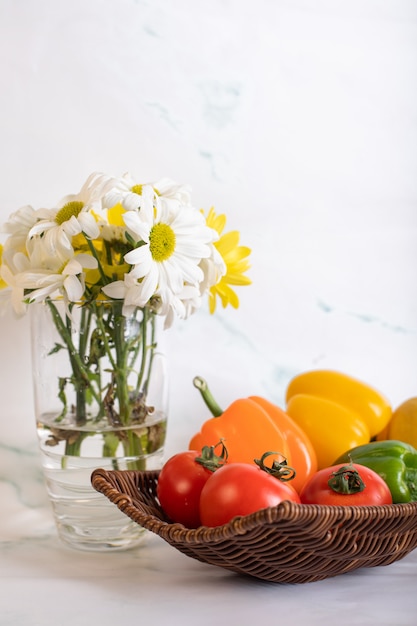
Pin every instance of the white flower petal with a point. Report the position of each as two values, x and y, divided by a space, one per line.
72 226
87 261
88 224
131 201
55 242
74 288
137 226
38 295
40 227
149 285
73 268
139 256
116 290
169 189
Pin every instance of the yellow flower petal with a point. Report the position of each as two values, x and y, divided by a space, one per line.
235 259
115 215
217 222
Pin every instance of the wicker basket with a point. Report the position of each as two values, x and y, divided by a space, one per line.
289 543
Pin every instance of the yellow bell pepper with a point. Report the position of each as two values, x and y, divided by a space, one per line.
403 424
336 411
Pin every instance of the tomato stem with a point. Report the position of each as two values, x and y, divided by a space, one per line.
346 480
210 460
200 384
278 469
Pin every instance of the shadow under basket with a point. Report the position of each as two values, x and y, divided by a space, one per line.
289 543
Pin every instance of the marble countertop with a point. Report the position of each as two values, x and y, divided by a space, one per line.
44 582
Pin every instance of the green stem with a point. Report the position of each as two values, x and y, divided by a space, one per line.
152 348
133 447
200 384
79 370
118 403
121 369
82 345
95 255
145 347
104 337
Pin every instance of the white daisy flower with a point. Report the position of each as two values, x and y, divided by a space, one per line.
129 194
65 279
175 238
213 268
182 305
167 188
72 216
13 292
18 227
129 290
122 191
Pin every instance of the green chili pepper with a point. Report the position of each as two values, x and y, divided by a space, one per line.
395 461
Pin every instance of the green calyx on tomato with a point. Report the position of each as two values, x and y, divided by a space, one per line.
210 460
317 490
239 489
179 486
245 426
251 425
346 480
278 469
395 461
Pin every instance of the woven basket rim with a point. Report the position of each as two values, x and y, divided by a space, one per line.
286 510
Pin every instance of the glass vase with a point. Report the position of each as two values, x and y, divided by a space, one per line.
101 400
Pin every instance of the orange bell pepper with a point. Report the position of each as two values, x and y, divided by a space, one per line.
302 453
245 427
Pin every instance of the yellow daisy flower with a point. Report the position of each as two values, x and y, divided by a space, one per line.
235 259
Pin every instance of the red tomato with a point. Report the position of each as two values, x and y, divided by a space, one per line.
302 454
240 489
179 486
317 490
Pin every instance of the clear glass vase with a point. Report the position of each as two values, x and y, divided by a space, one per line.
101 400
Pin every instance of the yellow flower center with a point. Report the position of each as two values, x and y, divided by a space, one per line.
139 189
161 242
69 209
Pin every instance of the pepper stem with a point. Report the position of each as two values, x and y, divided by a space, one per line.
200 384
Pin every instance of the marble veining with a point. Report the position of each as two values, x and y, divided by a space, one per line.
366 318
297 120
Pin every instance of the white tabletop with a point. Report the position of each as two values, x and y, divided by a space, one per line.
43 582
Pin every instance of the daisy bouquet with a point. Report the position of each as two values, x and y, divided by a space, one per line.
115 252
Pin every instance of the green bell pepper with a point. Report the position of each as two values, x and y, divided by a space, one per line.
396 463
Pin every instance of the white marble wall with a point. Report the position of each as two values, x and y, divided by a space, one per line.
295 117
